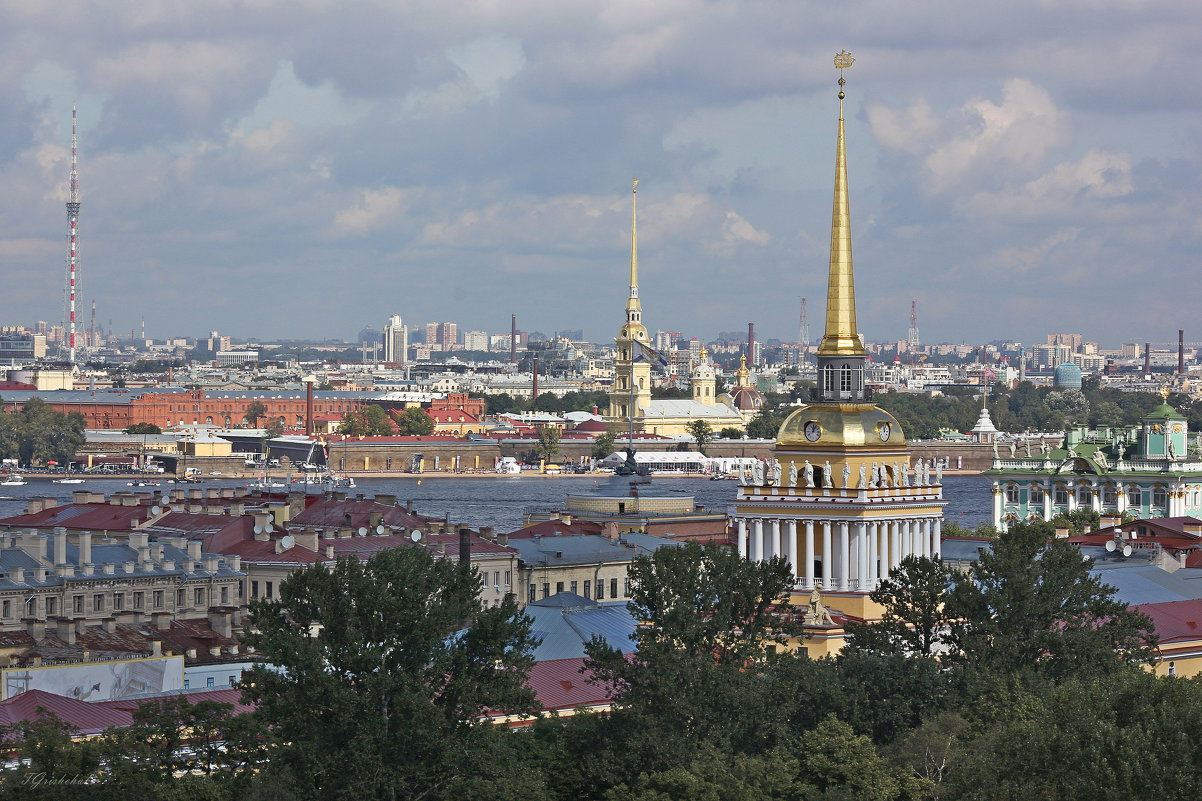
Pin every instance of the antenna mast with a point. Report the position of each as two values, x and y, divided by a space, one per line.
803 334
73 219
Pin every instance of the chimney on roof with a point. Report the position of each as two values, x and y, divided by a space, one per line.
161 620
488 533
221 622
60 546
190 653
109 624
156 647
35 628
65 630
329 552
409 506
385 499
465 545
502 539
85 548
194 547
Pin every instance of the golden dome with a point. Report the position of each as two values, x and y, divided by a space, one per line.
841 425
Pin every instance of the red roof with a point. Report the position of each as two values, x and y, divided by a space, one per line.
84 517
556 528
1176 621
598 426
86 718
561 684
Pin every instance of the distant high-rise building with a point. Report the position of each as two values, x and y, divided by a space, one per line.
445 335
396 340
475 340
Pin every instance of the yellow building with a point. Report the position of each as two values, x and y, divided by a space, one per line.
630 396
838 501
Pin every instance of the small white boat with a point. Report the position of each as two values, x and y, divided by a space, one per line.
13 481
267 484
67 481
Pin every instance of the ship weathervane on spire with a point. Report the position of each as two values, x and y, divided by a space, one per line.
843 60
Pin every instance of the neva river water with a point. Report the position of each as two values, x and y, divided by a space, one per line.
501 501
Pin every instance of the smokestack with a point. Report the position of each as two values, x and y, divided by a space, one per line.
309 408
535 371
465 545
513 338
751 344
1147 358
1180 351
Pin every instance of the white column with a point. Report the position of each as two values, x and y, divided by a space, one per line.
883 534
774 527
809 566
874 568
742 537
791 547
828 556
757 540
844 556
924 531
997 505
938 539
894 543
862 536
1095 497
1120 499
1048 488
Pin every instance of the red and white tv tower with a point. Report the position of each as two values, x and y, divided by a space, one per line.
73 219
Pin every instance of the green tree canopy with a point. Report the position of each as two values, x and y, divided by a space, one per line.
415 422
254 411
143 428
382 669
36 433
915 619
701 432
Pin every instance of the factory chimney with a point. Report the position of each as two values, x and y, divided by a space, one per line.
751 344
1180 351
513 338
1147 358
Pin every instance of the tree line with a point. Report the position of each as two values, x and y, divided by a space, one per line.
36 434
1023 677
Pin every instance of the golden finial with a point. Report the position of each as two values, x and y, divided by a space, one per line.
843 60
1164 393
634 187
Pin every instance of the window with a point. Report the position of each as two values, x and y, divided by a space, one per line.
1011 493
233 680
254 589
1084 496
558 587
225 595
210 682
268 586
1036 493
118 601
588 589
532 594
8 608
828 374
845 378
199 596
496 578
138 600
613 588
575 588
31 604
506 578
51 606
600 590
187 684
158 599
1133 497
1159 497
546 590
97 603
1172 668
1061 495
179 599
626 588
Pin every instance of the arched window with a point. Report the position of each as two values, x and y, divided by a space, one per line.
828 378
845 378
1160 497
1133 496
1172 668
208 421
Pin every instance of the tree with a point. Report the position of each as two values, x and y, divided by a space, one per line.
603 445
766 424
731 433
143 428
709 614
415 422
1030 604
701 432
914 621
38 433
381 672
548 441
254 410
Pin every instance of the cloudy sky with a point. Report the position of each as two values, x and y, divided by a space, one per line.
304 169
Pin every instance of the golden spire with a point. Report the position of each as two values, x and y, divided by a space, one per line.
841 337
632 304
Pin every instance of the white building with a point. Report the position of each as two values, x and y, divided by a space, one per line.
396 340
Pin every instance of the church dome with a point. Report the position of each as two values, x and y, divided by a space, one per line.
843 425
1068 376
704 371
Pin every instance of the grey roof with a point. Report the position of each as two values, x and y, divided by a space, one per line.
680 407
566 621
1138 581
578 549
961 549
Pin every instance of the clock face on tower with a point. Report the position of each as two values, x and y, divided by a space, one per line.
813 431
885 430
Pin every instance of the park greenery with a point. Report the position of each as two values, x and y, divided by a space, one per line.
36 434
1022 677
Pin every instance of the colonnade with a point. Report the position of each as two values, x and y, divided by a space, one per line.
850 554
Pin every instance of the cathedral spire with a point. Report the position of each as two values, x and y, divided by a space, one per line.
841 337
632 303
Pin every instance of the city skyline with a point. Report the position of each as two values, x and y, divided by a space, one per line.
454 165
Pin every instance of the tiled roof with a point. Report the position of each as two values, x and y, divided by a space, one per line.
83 516
555 528
1176 621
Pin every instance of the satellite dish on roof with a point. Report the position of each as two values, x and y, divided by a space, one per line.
258 529
362 531
380 529
286 542
1126 550
415 535
1110 546
269 528
154 510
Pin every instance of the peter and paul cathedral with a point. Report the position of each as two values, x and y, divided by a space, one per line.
840 501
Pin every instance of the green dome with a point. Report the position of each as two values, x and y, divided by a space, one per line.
1068 376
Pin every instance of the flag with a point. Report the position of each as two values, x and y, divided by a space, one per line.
644 353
